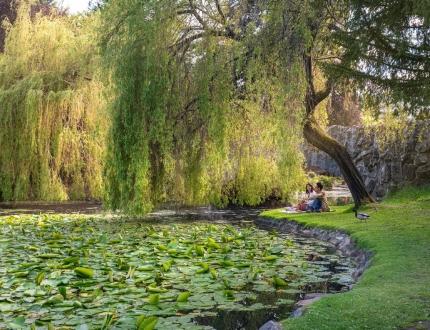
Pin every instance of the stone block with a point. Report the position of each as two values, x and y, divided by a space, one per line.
422 174
370 184
408 172
385 173
407 156
379 191
423 144
396 172
365 155
271 325
422 159
410 146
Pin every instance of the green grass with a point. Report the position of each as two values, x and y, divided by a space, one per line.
395 291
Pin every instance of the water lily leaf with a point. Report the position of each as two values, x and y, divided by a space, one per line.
214 273
63 291
153 299
204 268
167 265
88 283
229 293
226 263
49 255
279 282
40 277
183 296
139 320
148 323
227 239
57 299
155 289
71 260
243 265
18 323
276 249
84 272
18 274
78 304
115 241
200 251
82 327
161 247
213 244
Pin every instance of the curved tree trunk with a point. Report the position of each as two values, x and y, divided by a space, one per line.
316 136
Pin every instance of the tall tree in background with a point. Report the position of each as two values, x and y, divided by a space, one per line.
386 51
383 47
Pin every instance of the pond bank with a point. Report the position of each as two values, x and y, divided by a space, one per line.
394 292
339 239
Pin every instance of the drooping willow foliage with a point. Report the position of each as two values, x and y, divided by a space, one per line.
198 124
52 124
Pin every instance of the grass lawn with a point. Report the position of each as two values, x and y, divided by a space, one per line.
395 291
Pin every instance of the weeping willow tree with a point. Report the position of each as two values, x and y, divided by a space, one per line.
51 125
295 32
195 118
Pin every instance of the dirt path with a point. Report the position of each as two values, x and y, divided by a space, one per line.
339 191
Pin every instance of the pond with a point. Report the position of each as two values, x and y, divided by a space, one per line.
80 272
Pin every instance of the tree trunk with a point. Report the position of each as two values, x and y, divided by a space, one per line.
316 136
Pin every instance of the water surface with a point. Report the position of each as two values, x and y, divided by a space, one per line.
233 275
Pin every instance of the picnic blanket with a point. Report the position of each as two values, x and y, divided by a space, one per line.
293 210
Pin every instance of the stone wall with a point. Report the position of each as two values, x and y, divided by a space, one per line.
384 165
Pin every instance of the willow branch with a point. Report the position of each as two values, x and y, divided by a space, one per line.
220 12
196 14
185 42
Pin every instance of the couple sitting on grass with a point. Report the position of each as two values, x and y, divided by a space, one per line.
315 199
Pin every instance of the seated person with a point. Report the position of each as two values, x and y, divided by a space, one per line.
304 203
318 200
